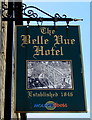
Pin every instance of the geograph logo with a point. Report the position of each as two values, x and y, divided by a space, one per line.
50 105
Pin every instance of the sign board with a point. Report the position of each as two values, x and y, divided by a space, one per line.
49 73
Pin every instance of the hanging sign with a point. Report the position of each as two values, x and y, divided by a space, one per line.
49 73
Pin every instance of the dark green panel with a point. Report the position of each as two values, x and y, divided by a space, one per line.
51 80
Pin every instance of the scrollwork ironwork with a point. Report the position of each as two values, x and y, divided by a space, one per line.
58 16
28 12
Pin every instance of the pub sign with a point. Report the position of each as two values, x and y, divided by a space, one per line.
49 71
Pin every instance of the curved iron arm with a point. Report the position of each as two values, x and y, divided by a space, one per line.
31 13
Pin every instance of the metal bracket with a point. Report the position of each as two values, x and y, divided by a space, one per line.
30 15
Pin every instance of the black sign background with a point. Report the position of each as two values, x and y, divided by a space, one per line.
66 100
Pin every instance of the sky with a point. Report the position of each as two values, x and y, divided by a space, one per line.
79 10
